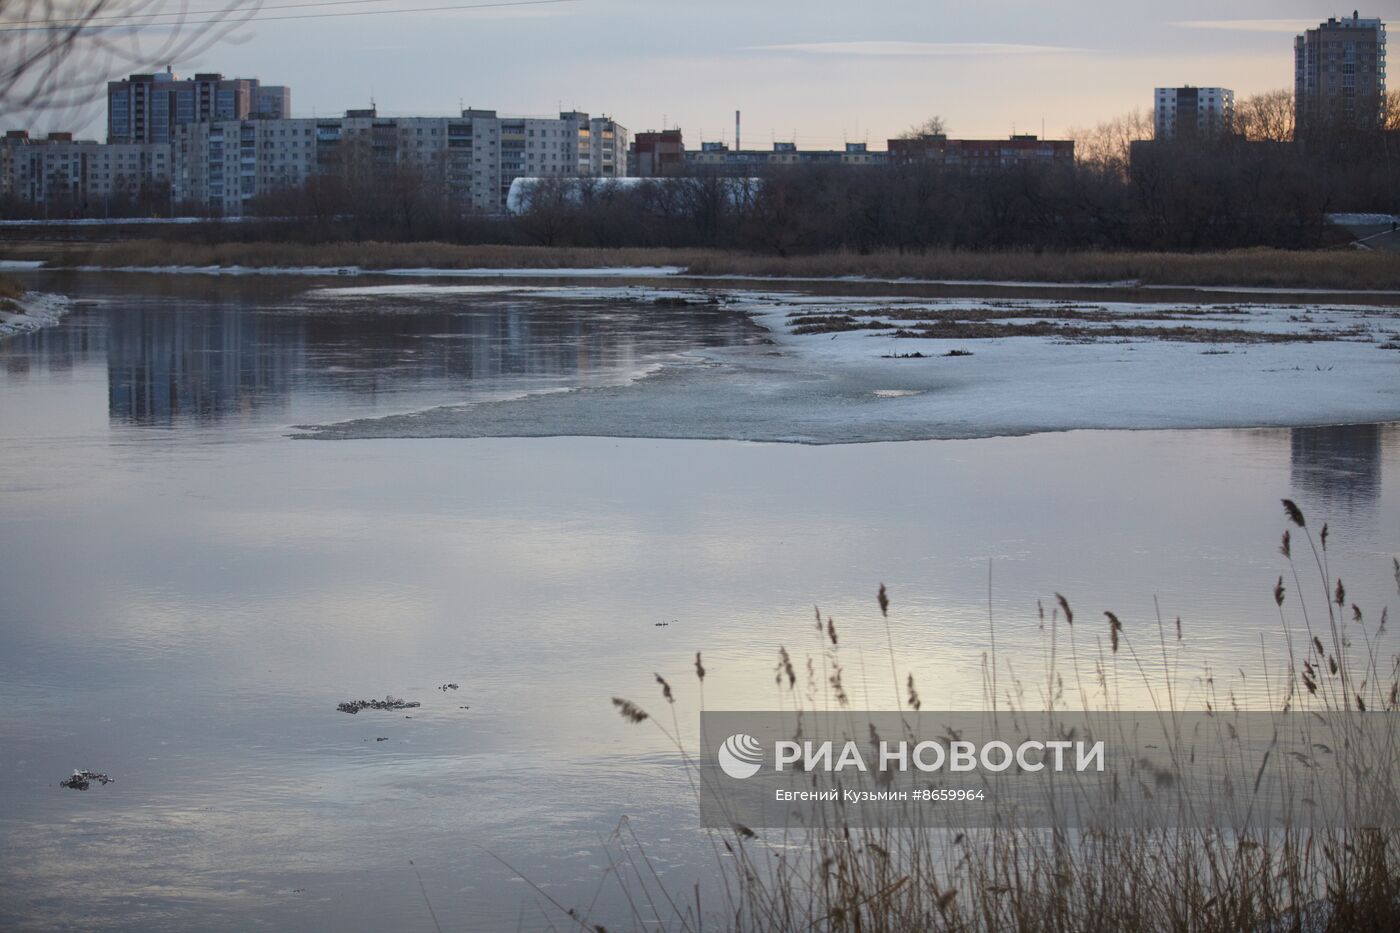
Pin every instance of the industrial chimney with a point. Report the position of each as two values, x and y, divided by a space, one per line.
737 141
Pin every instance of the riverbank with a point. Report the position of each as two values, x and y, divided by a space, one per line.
22 311
31 312
1254 268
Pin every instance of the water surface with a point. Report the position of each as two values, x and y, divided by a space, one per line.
188 592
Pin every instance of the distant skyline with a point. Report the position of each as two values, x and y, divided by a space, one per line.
819 71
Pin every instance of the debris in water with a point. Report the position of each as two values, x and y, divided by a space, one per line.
389 702
446 687
82 780
382 738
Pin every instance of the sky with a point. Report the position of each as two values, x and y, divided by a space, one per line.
818 72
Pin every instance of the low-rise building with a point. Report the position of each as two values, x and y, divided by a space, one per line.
981 154
718 157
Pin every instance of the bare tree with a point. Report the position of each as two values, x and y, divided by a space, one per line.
1391 123
55 54
1108 146
1267 117
933 126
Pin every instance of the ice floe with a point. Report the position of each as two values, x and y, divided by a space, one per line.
1229 365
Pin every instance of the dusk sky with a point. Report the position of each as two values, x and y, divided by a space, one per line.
825 70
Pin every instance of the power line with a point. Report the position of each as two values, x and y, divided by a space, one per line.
82 20
176 20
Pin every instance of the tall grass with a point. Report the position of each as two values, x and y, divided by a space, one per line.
365 255
9 288
837 876
1341 269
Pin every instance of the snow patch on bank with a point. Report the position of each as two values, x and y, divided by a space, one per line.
646 272
1362 220
731 280
571 292
129 221
227 270
33 311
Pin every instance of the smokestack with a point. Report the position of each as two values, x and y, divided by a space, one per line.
737 145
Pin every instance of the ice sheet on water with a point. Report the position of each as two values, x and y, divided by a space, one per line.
847 387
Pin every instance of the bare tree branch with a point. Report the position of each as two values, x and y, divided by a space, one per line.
933 126
1267 117
58 54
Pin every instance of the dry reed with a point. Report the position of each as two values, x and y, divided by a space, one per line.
1339 269
365 255
840 877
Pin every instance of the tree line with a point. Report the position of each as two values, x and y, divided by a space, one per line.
1255 187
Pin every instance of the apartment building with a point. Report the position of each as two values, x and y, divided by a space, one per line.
473 158
147 108
714 157
655 154
982 154
1192 112
573 144
7 191
225 163
82 175
1339 75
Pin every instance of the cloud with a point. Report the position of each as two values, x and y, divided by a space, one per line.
910 49
1249 25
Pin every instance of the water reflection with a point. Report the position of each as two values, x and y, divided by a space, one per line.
202 358
164 367
1339 466
52 349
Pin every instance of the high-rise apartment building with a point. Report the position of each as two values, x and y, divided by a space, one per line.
148 108
472 159
1192 112
1339 75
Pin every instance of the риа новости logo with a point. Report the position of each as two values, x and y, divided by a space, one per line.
740 756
